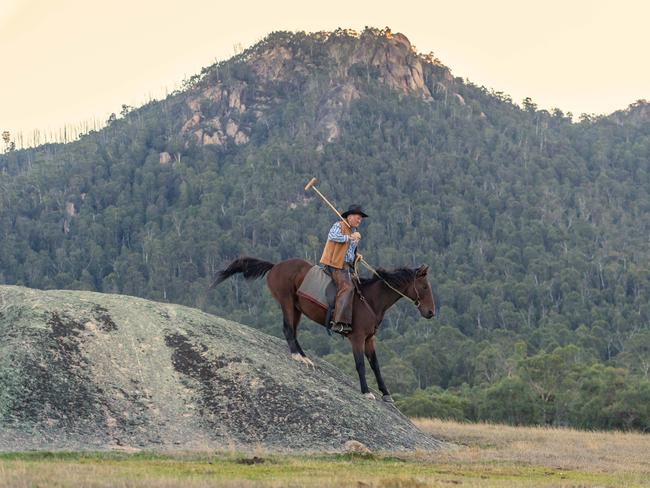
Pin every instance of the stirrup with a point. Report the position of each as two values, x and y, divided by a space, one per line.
340 327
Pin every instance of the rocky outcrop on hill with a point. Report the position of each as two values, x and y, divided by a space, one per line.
85 370
218 113
636 113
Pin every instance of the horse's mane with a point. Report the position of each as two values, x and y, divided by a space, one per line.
396 278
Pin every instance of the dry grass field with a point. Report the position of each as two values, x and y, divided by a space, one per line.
478 455
581 458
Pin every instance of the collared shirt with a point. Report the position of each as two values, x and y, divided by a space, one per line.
336 235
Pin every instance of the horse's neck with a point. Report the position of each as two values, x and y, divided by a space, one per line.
381 297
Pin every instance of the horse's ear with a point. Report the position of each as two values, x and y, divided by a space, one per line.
422 270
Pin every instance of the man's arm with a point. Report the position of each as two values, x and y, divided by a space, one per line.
336 235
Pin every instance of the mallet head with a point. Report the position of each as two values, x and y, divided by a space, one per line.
311 183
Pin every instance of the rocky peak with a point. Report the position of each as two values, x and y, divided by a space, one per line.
389 57
296 60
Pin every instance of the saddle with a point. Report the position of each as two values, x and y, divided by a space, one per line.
319 288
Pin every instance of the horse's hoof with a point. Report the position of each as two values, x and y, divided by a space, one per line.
388 399
369 396
303 359
308 362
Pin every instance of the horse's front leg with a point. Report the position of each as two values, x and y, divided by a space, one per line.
358 349
371 354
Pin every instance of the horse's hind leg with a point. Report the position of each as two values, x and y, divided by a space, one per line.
290 318
281 283
303 356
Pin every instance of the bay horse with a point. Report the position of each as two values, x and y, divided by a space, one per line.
284 278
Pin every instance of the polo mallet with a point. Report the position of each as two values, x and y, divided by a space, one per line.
312 184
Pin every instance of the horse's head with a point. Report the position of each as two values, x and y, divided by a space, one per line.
422 293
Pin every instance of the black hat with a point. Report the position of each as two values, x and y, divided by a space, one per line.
353 209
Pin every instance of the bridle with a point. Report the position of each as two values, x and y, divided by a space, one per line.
416 302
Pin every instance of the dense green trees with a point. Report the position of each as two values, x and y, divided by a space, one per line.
535 229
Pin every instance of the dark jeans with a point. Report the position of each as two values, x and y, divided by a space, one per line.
344 293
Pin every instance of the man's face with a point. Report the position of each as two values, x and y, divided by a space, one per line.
354 220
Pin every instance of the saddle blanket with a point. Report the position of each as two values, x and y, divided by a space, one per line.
318 287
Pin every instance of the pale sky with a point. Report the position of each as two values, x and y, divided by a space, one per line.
68 61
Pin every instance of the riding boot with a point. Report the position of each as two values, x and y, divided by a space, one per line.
344 300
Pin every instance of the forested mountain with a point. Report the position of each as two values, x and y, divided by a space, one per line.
536 228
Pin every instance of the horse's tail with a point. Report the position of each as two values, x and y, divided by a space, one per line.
251 268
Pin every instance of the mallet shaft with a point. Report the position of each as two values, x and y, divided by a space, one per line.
311 184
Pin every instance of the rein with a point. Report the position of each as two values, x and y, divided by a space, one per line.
416 302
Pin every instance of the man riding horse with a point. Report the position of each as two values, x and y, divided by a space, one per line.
338 257
378 293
